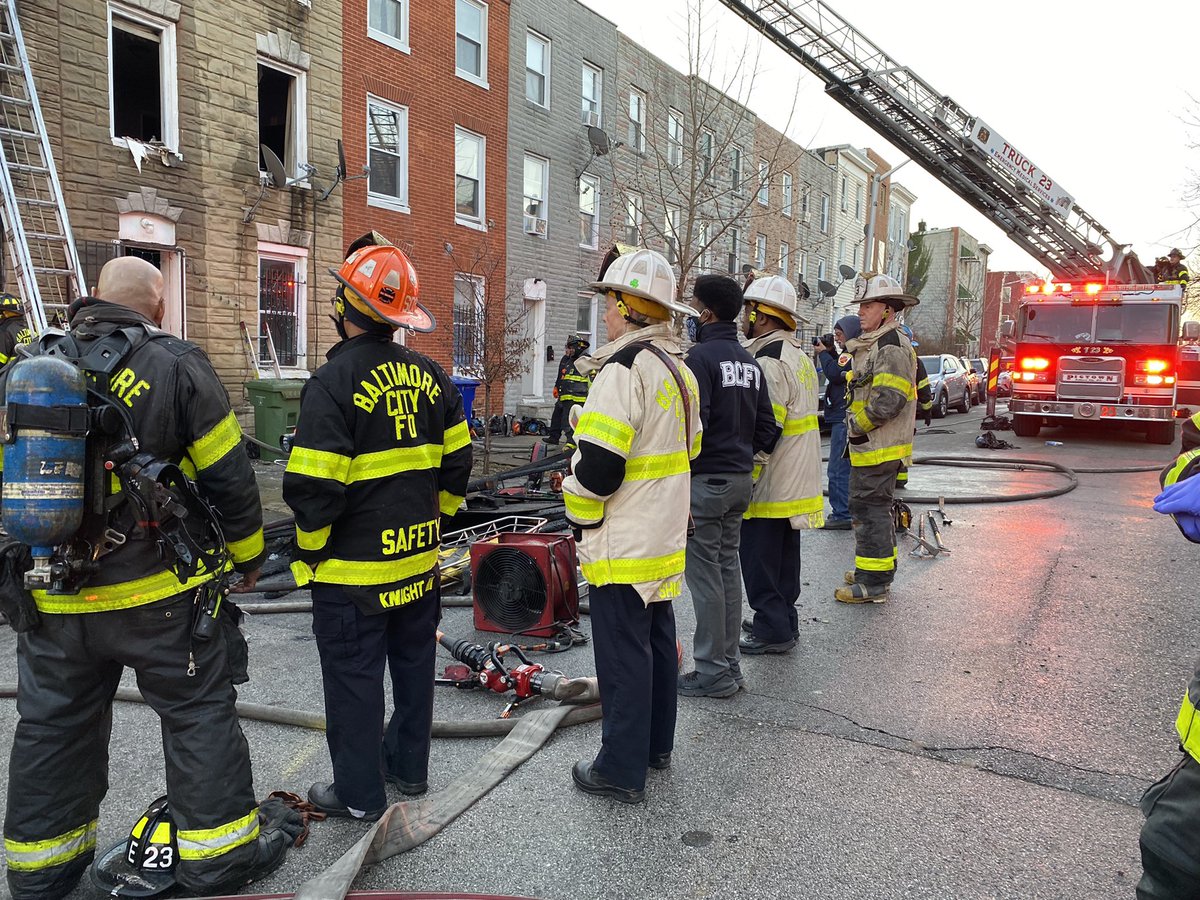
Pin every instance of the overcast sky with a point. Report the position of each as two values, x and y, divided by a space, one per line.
1095 99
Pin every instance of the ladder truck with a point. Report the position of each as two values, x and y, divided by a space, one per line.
1118 366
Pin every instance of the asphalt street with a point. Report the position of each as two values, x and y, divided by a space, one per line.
985 734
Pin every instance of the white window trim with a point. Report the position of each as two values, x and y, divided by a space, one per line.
594 180
760 251
480 305
787 193
544 199
633 203
168 74
299 257
479 224
592 299
785 259
674 142
383 201
481 79
599 89
300 102
640 121
529 32
396 43
736 175
671 234
763 194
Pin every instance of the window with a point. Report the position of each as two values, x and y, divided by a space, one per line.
671 234
786 187
764 181
469 331
470 49
537 69
735 168
468 177
387 143
735 251
803 266
674 138
804 205
845 193
143 93
637 120
825 214
854 261
282 301
820 268
785 259
705 263
841 251
593 95
858 202
387 22
282 118
537 178
633 219
706 154
589 211
585 315
760 251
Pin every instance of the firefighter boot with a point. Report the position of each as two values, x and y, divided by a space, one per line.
861 593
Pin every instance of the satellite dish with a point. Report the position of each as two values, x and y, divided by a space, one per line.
847 272
826 289
911 245
598 139
275 167
805 293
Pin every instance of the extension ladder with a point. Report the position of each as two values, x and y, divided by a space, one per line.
36 231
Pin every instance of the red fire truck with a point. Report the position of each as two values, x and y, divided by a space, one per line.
1097 352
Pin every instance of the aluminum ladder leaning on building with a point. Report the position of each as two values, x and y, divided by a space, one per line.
36 231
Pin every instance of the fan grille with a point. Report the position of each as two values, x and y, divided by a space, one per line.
510 589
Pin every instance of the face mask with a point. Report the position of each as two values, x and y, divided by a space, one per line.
692 326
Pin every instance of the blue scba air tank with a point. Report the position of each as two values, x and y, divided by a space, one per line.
44 462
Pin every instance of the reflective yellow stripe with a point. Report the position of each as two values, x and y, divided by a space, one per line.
922 384
872 564
882 455
1189 735
633 571
318 464
186 466
302 572
456 437
212 447
863 422
1195 420
246 548
800 425
385 463
784 509
449 503
205 843
780 412
656 465
124 595
756 471
358 572
605 430
1180 464
4 358
902 475
584 510
312 540
888 380
696 444
31 856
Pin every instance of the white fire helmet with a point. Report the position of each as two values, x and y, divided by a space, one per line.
646 274
777 293
868 287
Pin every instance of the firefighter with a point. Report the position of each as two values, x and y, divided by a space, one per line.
636 436
382 453
14 330
1174 271
835 364
879 426
1170 838
134 612
787 489
924 404
570 389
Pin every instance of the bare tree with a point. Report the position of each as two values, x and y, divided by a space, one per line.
693 166
968 308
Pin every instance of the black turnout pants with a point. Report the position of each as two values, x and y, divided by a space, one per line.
770 554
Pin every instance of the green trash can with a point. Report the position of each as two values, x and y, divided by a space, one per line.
276 403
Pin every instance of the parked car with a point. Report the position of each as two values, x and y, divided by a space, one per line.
978 365
948 383
973 381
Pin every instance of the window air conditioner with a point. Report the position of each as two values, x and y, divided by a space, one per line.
535 225
591 119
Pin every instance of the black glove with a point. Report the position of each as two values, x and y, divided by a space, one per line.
928 417
275 815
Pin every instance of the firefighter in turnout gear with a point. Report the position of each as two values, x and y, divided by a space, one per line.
637 433
879 425
1170 838
570 389
135 612
14 330
382 454
787 491
924 404
1171 269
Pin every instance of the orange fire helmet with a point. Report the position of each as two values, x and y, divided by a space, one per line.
382 283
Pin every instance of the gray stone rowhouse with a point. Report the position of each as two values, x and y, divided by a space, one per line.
550 261
950 314
182 81
817 181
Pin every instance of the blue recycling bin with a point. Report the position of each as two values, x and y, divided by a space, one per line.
466 386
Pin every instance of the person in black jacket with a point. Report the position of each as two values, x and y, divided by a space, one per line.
135 612
570 389
836 366
738 421
14 330
382 454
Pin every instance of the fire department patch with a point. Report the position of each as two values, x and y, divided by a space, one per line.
860 287
844 359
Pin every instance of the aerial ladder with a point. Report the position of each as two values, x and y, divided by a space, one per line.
33 211
947 140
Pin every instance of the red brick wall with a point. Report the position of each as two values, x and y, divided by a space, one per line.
437 100
995 310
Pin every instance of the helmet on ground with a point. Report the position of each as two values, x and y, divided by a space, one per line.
10 304
646 281
142 865
777 294
381 283
1175 253
885 289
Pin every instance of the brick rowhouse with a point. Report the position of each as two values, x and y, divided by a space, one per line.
403 61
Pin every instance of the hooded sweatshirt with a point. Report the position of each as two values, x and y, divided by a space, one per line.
836 367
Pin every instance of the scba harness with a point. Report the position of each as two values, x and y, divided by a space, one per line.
77 484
